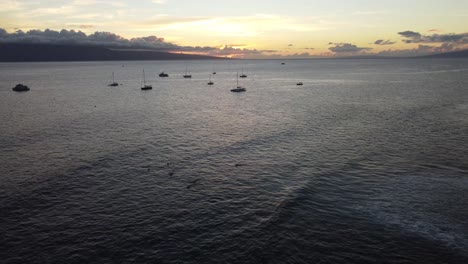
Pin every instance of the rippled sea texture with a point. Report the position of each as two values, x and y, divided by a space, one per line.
364 163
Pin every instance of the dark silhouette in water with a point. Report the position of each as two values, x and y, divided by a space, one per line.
21 88
113 81
238 88
186 75
243 75
12 52
145 86
210 82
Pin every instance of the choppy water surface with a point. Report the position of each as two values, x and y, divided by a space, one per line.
364 163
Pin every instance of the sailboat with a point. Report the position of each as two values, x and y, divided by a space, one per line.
243 75
113 81
145 86
186 75
210 82
238 88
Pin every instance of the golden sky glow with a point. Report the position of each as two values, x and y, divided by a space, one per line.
295 28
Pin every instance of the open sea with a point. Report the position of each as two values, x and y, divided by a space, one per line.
367 162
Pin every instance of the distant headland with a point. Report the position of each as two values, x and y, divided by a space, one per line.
32 52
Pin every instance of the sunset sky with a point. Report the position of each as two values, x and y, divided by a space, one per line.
257 28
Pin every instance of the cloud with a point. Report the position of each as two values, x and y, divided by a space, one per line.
416 37
234 26
439 38
383 42
429 44
228 51
420 50
8 6
111 40
98 2
410 34
235 45
64 36
165 20
346 48
237 53
82 26
53 11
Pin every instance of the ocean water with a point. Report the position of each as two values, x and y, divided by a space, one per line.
364 163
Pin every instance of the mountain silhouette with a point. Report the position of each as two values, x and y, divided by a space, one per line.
22 52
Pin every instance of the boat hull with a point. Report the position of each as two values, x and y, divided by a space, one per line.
20 88
238 90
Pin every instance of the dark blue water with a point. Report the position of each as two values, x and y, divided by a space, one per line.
364 163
